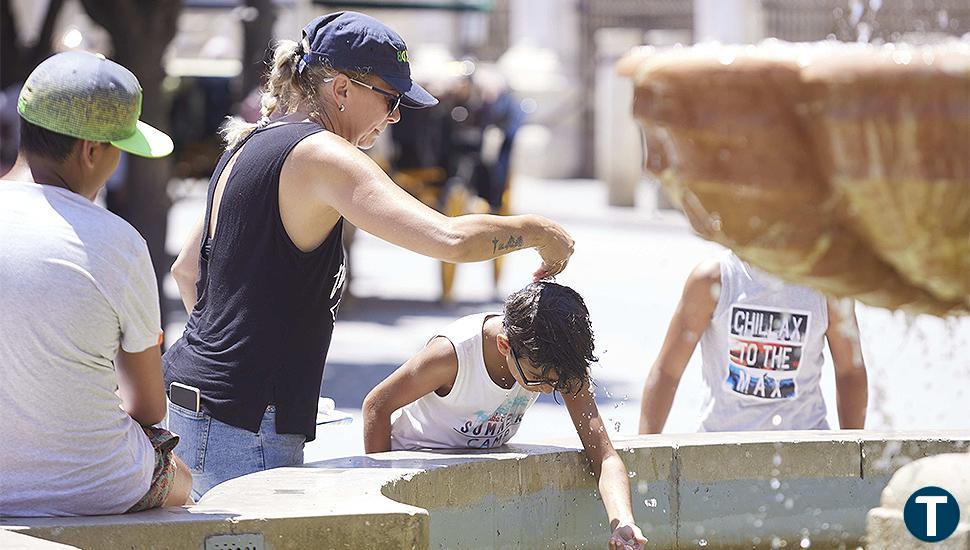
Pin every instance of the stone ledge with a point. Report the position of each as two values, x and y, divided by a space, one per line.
12 540
721 489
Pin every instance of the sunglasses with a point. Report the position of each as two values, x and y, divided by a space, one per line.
525 379
393 100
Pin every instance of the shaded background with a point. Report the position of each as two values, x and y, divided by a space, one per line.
577 157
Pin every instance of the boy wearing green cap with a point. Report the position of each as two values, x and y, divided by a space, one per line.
81 383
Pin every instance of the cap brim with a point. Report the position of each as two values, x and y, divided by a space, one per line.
415 97
146 142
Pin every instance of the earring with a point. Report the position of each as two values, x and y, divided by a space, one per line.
341 108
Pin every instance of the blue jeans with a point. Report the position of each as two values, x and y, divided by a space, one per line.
217 452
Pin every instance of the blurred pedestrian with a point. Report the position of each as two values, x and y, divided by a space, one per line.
263 271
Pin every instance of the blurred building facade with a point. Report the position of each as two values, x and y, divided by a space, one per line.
552 52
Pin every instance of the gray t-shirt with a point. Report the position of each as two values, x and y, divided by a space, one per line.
76 282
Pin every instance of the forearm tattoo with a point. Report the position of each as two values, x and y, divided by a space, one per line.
514 242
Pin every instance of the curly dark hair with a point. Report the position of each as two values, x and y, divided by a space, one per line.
548 323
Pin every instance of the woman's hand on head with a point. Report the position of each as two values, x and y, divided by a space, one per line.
555 251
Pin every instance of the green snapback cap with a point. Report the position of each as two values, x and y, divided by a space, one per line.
88 97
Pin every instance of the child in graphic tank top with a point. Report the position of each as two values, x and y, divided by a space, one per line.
472 383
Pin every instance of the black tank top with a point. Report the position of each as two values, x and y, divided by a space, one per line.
261 328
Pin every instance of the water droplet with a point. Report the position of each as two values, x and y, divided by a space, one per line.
616 425
855 15
902 57
779 497
789 504
776 420
758 523
943 19
775 484
632 474
642 487
702 542
650 503
805 543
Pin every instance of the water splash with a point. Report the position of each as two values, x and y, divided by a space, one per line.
943 19
856 9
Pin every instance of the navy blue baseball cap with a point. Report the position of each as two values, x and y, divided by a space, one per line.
353 41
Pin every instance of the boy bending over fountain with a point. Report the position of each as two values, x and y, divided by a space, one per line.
472 383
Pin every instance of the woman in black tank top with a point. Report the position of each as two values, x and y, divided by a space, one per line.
263 271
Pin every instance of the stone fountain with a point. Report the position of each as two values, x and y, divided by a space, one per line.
845 167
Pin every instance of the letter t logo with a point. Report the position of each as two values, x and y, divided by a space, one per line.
931 502
931 514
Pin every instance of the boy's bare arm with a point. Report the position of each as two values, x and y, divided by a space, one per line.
690 320
851 382
611 474
434 368
140 385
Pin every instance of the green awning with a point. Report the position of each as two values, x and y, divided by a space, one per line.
446 5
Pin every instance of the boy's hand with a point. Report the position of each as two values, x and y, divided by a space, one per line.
627 536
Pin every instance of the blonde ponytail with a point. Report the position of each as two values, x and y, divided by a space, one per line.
283 92
286 90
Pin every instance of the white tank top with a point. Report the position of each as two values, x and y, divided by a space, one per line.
762 353
476 413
